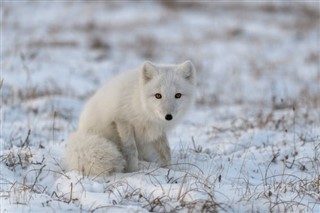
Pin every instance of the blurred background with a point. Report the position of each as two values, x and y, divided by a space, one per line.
257 53
257 112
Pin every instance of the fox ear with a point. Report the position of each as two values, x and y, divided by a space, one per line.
187 70
148 71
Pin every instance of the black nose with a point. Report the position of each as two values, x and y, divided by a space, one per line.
168 117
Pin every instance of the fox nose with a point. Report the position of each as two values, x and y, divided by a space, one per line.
168 117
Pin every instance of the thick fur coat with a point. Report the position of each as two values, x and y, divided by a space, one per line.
127 119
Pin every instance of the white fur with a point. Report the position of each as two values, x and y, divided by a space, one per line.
124 122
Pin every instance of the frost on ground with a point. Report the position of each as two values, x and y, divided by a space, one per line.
251 143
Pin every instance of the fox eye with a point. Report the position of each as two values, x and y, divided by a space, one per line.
158 96
178 95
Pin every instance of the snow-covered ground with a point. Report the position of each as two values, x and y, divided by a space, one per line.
251 143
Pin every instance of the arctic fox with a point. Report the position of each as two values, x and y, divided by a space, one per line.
127 119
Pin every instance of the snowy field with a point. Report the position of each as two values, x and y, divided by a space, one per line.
251 143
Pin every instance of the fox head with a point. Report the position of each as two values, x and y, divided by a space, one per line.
167 90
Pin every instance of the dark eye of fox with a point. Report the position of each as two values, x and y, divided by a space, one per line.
158 95
178 95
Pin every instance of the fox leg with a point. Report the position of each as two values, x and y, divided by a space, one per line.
128 146
163 149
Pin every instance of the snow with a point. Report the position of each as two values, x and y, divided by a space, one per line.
250 144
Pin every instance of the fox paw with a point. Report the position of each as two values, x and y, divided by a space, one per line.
132 166
165 163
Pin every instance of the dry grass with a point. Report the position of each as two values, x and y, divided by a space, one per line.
283 191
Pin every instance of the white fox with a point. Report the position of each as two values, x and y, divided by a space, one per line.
127 119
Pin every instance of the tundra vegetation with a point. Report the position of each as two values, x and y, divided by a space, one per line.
251 143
